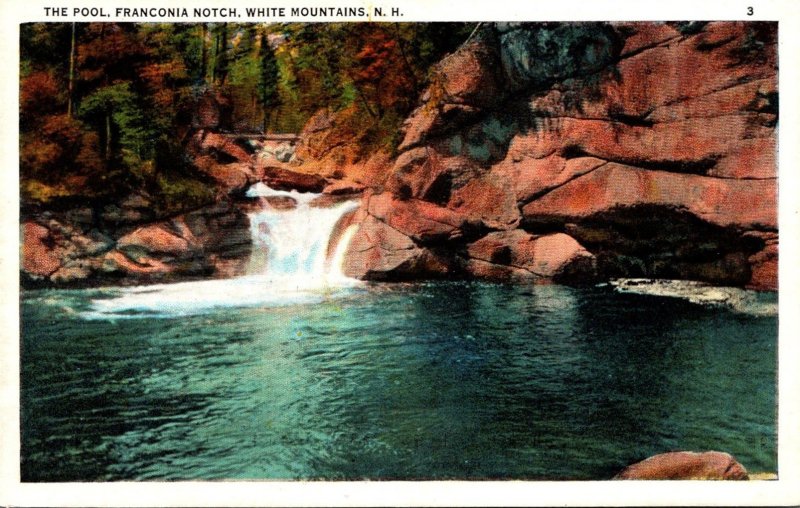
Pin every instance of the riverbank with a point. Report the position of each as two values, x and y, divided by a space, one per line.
604 160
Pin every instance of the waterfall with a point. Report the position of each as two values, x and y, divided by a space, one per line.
296 259
292 247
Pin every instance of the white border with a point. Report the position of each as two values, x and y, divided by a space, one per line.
785 491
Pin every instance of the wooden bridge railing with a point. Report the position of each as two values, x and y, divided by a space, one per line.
264 136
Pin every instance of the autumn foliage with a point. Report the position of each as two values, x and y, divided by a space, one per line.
106 106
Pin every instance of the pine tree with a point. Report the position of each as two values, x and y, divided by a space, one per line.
268 79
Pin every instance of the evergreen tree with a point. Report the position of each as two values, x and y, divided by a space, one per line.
268 79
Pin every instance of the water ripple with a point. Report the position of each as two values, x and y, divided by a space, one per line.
408 381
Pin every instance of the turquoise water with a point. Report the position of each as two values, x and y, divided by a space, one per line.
418 381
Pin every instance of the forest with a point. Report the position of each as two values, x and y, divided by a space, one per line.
106 107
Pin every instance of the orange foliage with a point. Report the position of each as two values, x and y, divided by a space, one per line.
62 129
59 146
108 51
40 93
160 78
381 70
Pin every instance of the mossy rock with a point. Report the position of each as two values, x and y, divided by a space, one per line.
537 54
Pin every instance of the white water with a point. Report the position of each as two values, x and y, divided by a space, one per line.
289 265
736 299
290 247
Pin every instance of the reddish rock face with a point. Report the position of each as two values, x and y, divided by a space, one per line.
694 145
764 264
230 178
680 123
280 178
428 173
686 466
420 220
464 83
39 257
720 56
330 147
156 239
379 252
489 202
717 201
543 257
646 35
221 145
764 269
529 178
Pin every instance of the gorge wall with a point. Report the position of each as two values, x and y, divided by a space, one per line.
540 152
581 152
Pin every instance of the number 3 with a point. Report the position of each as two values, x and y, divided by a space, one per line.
749 11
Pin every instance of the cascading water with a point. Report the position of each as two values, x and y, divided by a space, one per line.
291 247
295 259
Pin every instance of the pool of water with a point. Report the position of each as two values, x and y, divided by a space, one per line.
418 381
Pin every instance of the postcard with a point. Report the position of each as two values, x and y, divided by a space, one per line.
400 254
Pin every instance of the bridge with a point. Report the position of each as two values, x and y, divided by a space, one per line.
281 137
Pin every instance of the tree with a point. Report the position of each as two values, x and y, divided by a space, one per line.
71 85
221 63
114 108
268 79
203 51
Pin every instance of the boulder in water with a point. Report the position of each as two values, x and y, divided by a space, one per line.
684 465
279 178
380 252
519 255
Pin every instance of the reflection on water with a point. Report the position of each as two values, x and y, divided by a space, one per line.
432 381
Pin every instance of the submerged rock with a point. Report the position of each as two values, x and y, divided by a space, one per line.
736 299
685 466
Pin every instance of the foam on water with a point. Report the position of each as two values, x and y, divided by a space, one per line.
261 190
736 299
289 265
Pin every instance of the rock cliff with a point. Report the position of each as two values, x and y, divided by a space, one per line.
577 152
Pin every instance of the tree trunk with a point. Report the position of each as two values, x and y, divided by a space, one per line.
216 57
108 136
71 84
203 51
409 67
